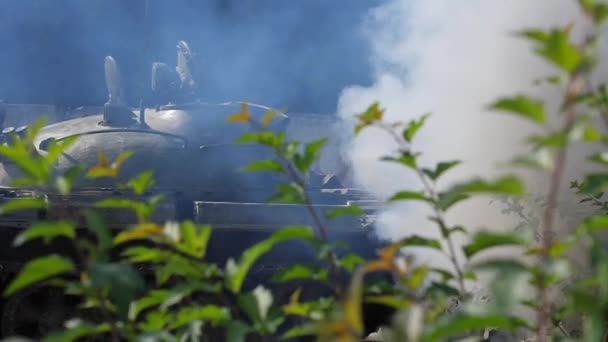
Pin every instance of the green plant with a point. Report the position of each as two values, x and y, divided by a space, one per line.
190 297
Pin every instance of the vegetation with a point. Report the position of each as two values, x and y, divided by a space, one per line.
191 297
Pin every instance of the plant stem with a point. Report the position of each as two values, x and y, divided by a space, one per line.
544 313
430 191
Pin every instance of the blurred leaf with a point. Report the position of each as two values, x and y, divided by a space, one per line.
121 281
241 116
140 232
465 323
45 230
600 158
56 149
541 158
266 138
237 271
349 210
592 224
153 298
413 127
76 330
353 301
448 199
268 116
594 183
389 301
208 313
508 185
299 271
522 105
350 261
409 195
440 169
194 239
142 182
372 115
556 47
300 331
590 134
485 240
419 241
141 209
311 154
102 233
553 140
264 165
288 193
236 331
500 265
406 158
444 289
23 204
417 277
37 270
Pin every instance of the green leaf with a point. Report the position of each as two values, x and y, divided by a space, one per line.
485 240
266 138
76 330
409 195
300 331
464 323
142 182
352 210
102 234
236 331
298 272
440 169
350 261
500 265
551 140
442 289
237 271
417 277
121 281
140 232
139 208
522 105
208 313
600 158
413 127
288 193
406 158
266 165
592 224
45 230
153 298
22 204
194 239
555 46
38 270
448 199
419 241
509 185
594 183
311 154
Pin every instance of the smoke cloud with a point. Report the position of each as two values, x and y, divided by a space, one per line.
450 58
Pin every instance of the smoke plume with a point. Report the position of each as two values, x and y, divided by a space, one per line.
452 59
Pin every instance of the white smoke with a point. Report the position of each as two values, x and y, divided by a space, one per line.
450 58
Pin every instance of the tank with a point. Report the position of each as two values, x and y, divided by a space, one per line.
196 163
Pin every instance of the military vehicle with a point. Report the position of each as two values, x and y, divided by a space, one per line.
196 163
